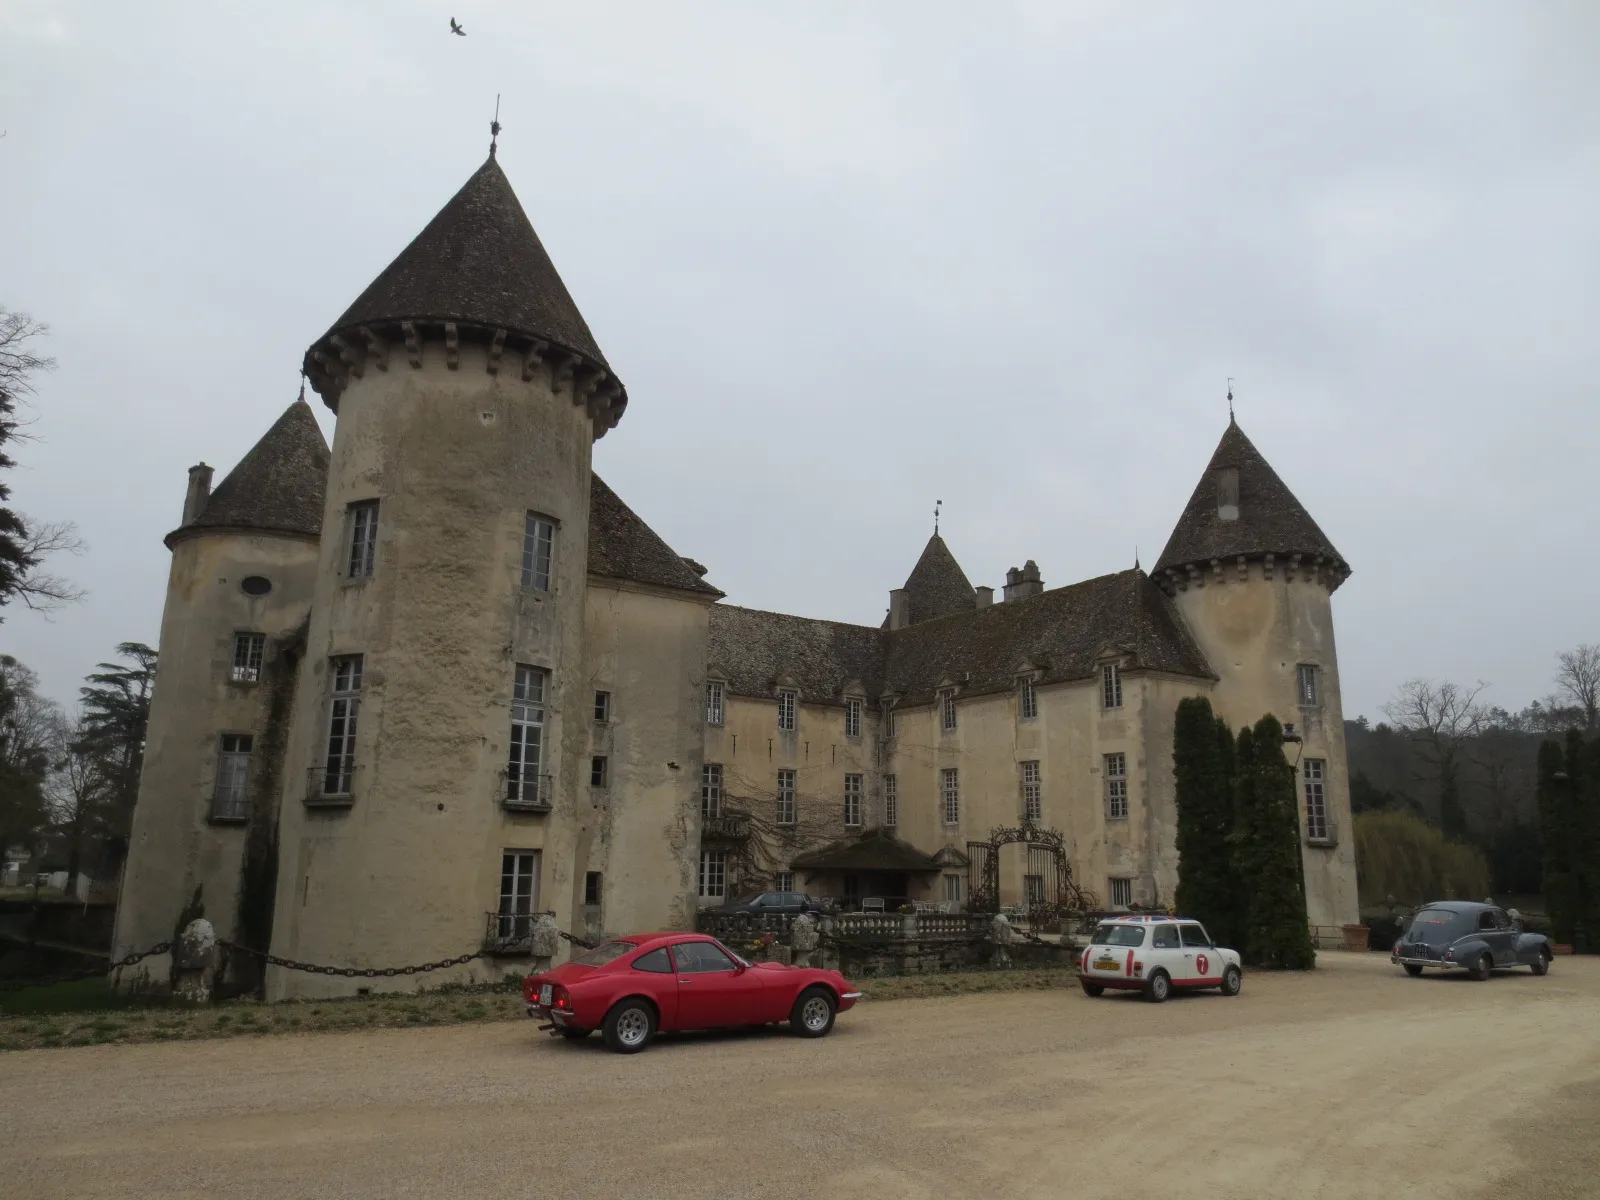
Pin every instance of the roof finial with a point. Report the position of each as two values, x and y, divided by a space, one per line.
1230 399
302 387
936 505
494 126
1136 556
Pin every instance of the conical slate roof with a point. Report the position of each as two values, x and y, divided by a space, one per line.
278 487
480 264
1269 519
937 586
622 546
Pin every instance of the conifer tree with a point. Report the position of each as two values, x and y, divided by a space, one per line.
1569 820
1267 852
1558 835
1202 760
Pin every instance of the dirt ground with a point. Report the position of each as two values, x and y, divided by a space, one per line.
1353 1081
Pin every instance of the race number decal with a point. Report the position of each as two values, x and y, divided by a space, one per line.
1203 963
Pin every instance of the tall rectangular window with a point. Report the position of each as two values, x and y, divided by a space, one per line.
787 810
1031 789
1111 685
852 799
344 707
952 889
526 753
950 795
1116 772
233 776
592 888
852 718
363 539
1121 890
713 874
714 710
602 708
1028 701
248 649
887 709
538 551
1317 828
519 893
1306 680
599 772
786 707
947 709
711 790
784 881
891 801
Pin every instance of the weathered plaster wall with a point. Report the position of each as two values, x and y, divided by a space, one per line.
175 846
1255 632
408 871
648 649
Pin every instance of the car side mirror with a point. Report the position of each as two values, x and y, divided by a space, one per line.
738 967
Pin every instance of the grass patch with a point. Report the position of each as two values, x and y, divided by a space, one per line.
81 995
960 983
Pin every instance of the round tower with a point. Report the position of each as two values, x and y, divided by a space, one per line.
443 711
244 561
1253 577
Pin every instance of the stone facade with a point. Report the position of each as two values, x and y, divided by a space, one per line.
486 690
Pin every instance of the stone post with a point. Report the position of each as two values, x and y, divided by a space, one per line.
1001 935
194 963
827 955
544 940
803 940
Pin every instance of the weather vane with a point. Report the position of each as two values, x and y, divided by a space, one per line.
936 505
494 126
1230 397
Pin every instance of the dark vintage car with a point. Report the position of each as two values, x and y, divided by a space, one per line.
1476 938
772 902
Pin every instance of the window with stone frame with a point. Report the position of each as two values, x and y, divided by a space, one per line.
228 799
886 717
1120 891
1314 771
525 747
788 809
947 709
1027 700
1116 775
852 799
715 713
363 525
1111 686
891 801
538 551
248 651
344 707
783 881
1032 793
1306 684
786 711
713 874
519 893
602 708
950 795
852 717
593 888
951 889
711 790
599 771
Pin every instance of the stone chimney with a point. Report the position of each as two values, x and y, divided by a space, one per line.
199 492
1022 582
1228 493
899 608
984 596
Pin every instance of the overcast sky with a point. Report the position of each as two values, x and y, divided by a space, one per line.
850 259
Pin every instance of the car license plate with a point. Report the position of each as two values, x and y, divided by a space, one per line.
544 994
1105 964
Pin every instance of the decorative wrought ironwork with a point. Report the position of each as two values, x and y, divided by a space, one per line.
1059 895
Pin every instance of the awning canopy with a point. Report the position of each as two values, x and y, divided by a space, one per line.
871 850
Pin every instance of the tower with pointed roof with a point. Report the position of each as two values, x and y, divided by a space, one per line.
1253 576
244 558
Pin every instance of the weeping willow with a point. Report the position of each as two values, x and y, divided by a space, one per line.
1398 855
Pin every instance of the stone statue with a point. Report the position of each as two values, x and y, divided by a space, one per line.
803 934
1000 931
194 963
543 938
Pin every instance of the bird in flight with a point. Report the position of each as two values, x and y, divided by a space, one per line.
456 29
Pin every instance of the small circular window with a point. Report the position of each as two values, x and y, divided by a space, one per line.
255 585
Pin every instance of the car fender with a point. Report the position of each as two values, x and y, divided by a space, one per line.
1468 949
1529 945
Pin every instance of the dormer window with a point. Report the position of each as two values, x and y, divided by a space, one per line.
1228 494
1027 700
714 703
852 717
947 709
786 711
1111 686
886 715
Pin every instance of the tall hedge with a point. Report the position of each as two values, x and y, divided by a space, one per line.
1266 852
1569 820
1202 763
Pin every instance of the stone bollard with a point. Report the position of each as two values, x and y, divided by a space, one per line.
826 955
1002 935
194 963
544 940
803 939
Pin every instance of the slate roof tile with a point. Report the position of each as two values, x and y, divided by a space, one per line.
622 546
279 486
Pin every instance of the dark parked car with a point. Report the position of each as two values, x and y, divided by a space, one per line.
773 902
1476 938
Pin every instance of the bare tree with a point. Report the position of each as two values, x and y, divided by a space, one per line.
1578 681
18 363
1439 717
79 792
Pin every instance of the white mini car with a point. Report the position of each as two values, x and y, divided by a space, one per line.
1154 955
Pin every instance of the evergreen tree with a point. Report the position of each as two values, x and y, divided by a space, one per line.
1267 852
116 710
1202 760
1558 836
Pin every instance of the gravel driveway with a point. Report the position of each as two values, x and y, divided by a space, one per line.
1353 1081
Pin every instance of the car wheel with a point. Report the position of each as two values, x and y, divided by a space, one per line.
629 1026
1541 962
1092 989
1412 968
1158 987
812 1014
571 1034
1232 981
1480 969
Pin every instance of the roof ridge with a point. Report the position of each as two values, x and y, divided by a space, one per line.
772 612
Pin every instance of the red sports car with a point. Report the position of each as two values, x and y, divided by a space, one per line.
635 987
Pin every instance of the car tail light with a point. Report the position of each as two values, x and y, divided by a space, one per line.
561 998
530 988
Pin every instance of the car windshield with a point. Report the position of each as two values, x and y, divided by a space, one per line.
605 952
1118 935
1440 926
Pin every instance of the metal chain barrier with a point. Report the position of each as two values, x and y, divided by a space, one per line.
290 964
17 985
575 940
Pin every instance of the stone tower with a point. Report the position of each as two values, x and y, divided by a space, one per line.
443 689
244 560
1253 577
